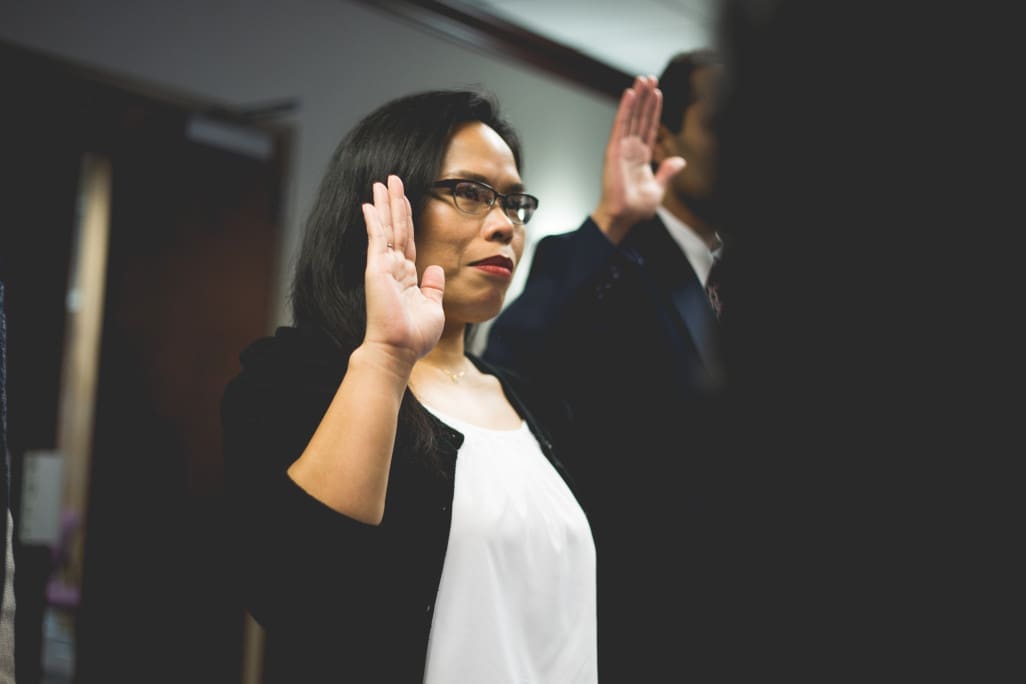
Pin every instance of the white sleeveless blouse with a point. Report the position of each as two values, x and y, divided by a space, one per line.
516 602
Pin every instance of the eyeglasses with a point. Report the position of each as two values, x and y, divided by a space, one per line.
476 198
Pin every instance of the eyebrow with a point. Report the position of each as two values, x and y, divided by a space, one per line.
470 175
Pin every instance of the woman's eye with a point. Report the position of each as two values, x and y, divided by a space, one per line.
470 192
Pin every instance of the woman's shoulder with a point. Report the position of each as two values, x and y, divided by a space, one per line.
529 395
510 378
291 349
293 358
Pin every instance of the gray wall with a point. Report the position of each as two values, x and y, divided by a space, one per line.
339 59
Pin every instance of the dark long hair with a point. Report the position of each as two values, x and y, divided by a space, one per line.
408 137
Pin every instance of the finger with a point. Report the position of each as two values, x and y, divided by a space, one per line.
397 209
383 210
376 241
432 283
623 114
645 107
640 89
411 243
667 169
651 127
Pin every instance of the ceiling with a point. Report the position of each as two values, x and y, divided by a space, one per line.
634 36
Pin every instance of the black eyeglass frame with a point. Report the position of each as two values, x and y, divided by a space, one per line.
451 184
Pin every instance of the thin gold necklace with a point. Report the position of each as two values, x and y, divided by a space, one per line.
455 377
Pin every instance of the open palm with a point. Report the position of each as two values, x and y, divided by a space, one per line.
631 191
401 315
630 174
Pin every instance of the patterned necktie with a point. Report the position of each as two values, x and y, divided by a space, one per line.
713 284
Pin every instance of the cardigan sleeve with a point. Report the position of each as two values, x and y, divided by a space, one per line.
330 591
296 557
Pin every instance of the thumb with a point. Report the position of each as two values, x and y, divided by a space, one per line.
432 283
668 168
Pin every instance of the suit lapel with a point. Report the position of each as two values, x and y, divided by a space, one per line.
664 262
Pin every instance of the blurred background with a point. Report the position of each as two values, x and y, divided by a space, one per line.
158 163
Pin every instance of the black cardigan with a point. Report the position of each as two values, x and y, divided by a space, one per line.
341 600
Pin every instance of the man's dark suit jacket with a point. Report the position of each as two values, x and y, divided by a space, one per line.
626 335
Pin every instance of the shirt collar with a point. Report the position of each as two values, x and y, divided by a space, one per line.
698 254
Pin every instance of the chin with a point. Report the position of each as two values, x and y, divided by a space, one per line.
485 312
477 312
488 315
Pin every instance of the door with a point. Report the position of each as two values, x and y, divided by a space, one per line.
189 281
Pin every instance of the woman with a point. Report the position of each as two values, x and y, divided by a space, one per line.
401 508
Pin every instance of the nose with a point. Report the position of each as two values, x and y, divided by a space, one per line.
497 225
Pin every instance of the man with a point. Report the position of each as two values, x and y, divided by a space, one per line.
615 318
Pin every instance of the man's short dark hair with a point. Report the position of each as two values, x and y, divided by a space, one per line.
675 83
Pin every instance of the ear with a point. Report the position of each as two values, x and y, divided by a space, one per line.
666 145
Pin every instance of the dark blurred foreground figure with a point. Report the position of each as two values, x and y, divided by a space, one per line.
6 530
847 539
403 512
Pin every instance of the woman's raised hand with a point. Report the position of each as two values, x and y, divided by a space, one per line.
402 318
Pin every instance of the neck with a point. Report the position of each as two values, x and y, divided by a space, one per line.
449 354
450 349
702 228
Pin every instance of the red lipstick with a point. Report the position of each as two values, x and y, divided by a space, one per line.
497 265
